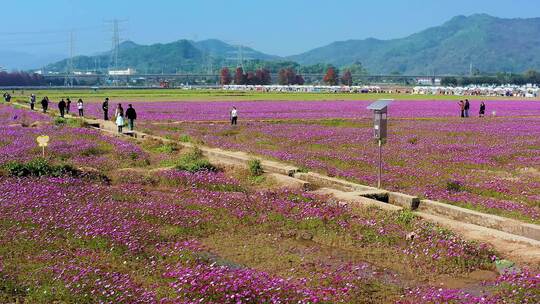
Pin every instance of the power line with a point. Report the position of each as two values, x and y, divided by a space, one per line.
34 43
56 31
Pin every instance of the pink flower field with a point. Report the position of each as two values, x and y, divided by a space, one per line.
269 110
103 219
490 164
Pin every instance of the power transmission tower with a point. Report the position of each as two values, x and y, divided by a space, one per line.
68 80
115 48
240 57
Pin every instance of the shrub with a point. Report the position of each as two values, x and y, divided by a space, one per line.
76 122
255 167
93 151
59 121
185 138
39 167
406 217
194 161
302 169
454 186
167 148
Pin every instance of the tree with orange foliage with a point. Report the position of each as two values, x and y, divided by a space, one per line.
331 77
225 76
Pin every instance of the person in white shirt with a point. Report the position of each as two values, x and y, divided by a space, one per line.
80 106
234 116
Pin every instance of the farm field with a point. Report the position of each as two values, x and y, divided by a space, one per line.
110 220
491 164
98 95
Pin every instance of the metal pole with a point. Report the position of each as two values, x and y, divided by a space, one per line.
379 175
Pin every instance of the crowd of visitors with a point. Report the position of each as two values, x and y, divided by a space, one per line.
64 108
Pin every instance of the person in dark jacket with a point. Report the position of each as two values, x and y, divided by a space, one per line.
482 109
32 101
62 107
462 108
105 108
467 107
68 105
45 104
131 115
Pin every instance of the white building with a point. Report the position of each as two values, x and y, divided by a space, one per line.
129 71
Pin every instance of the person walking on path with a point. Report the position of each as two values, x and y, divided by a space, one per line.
105 108
45 104
462 108
131 115
32 101
234 116
466 107
62 107
7 97
68 105
119 117
482 109
80 107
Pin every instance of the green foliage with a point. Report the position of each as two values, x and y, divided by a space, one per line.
59 121
194 161
406 217
76 122
93 151
185 138
255 167
38 167
302 169
454 186
167 148
413 140
227 133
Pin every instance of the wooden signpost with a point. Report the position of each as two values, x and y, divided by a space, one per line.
43 141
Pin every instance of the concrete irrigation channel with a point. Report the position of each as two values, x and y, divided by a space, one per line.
516 239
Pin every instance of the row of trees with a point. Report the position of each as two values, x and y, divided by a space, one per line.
259 77
20 79
286 76
332 77
530 76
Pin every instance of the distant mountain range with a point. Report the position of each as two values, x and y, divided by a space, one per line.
10 60
489 44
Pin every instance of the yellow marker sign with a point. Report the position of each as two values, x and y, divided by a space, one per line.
43 141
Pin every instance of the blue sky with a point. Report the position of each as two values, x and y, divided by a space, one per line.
278 27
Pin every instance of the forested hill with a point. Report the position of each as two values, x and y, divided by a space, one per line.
489 44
